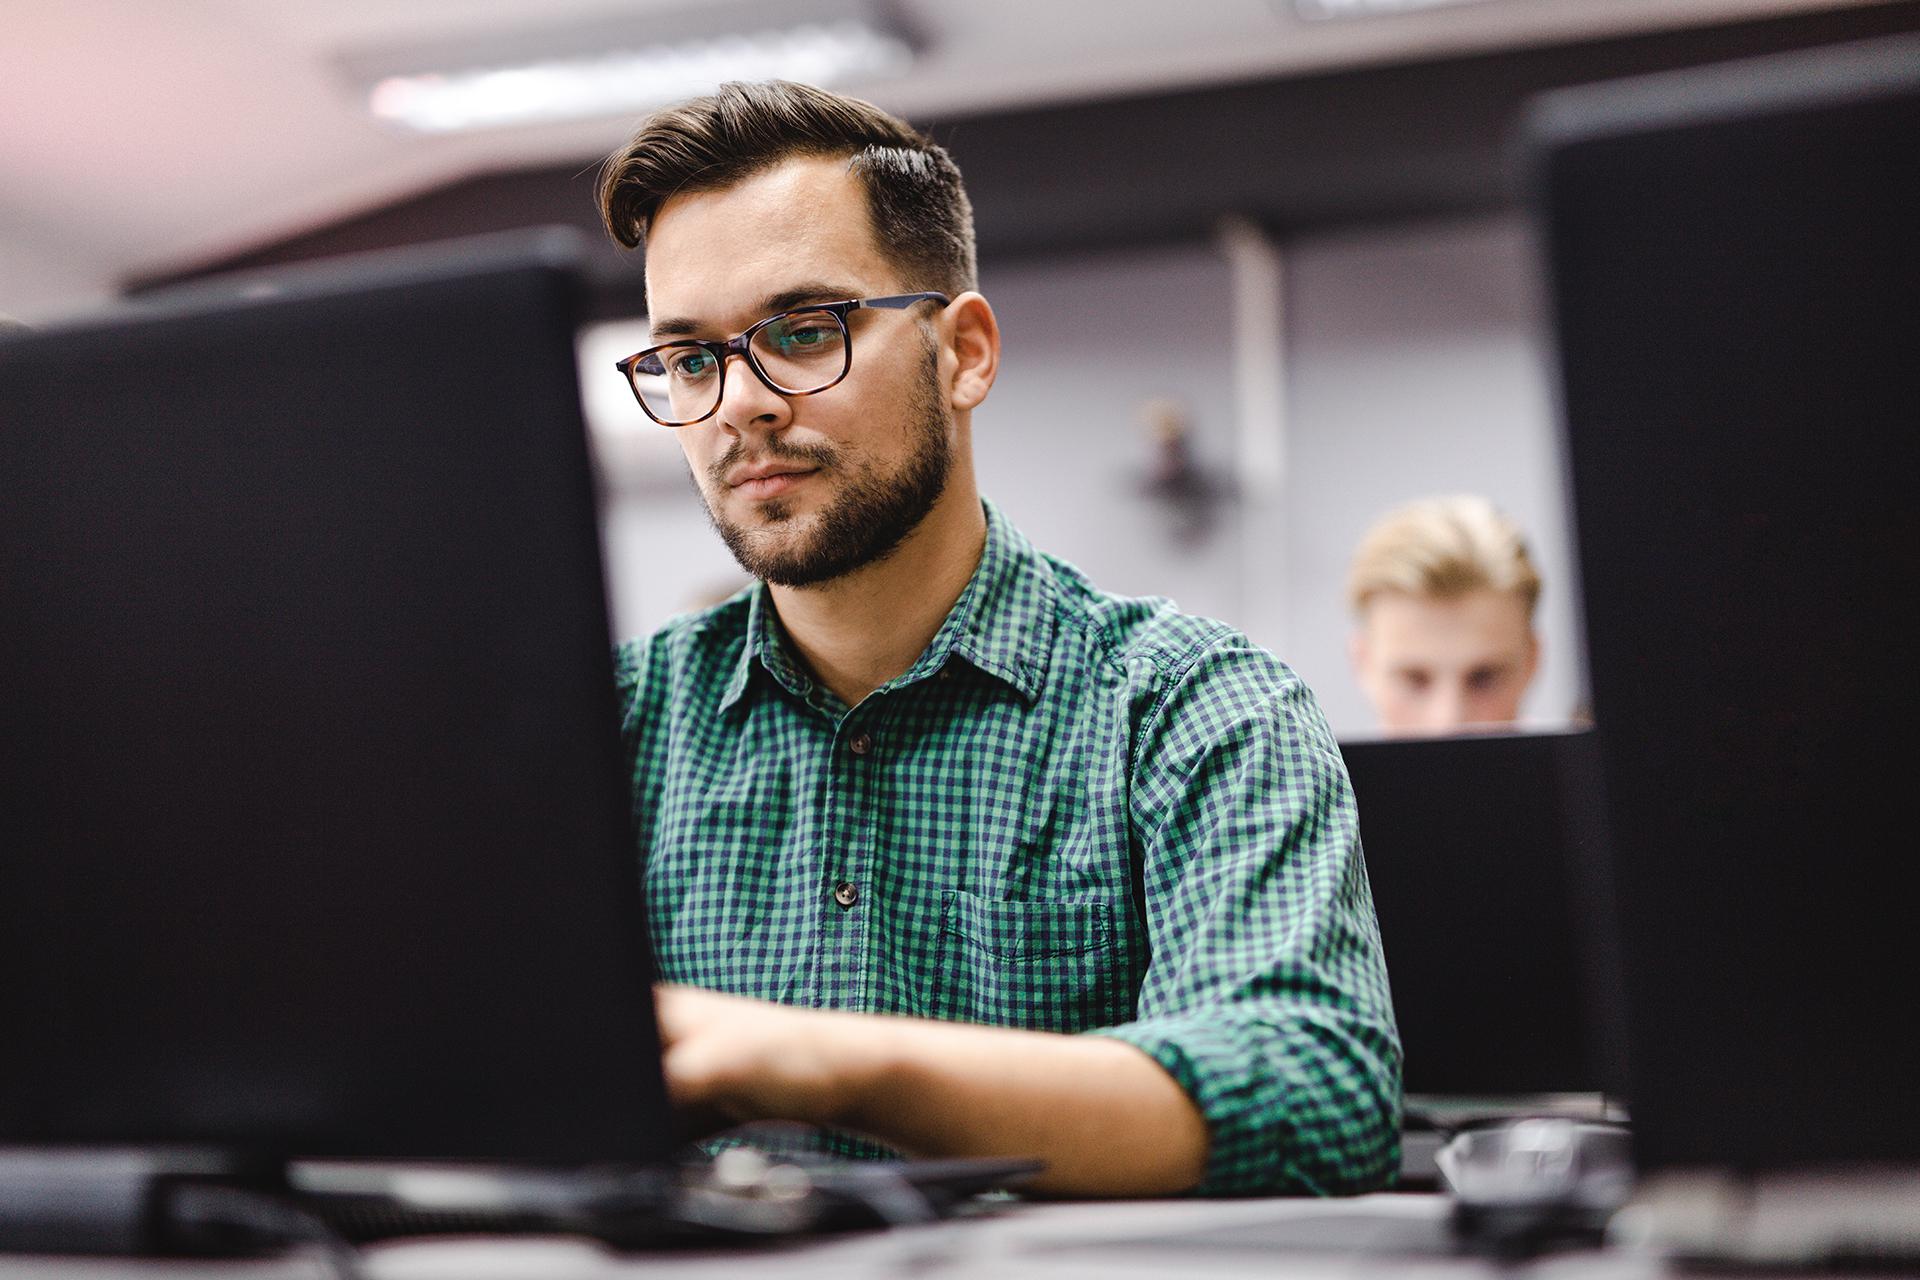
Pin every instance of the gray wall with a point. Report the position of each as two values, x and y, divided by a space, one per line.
1062 443
1411 369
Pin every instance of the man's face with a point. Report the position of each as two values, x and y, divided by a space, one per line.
1435 666
803 489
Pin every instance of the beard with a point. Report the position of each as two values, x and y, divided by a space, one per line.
865 522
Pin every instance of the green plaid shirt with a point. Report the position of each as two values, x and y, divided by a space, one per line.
1076 812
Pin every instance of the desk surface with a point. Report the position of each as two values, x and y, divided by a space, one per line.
1353 1239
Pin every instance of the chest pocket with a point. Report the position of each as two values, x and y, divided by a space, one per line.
1046 966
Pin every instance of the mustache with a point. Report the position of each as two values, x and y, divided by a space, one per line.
818 455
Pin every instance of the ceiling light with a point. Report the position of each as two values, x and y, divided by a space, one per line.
630 67
1316 9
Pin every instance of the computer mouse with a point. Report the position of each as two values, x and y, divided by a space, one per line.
1518 1184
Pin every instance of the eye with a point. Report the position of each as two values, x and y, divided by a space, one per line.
1486 679
813 334
688 363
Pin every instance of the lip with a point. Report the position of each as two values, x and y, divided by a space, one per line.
768 481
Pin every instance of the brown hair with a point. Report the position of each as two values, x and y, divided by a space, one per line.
916 203
1443 548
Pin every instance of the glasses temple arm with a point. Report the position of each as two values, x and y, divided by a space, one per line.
901 301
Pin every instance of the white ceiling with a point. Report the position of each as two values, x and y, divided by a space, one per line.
141 134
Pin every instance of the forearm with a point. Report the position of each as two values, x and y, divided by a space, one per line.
1106 1118
1103 1115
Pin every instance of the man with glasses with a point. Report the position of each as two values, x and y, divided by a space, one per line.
941 845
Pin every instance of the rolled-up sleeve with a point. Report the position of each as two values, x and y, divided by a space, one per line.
1266 995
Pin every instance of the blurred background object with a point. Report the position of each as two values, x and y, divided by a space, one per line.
1188 493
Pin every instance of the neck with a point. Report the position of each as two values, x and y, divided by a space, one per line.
860 631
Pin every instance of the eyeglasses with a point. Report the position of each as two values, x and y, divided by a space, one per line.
796 353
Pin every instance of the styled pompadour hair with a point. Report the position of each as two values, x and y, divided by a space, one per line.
1442 549
916 202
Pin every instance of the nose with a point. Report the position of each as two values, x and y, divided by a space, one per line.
747 403
1449 706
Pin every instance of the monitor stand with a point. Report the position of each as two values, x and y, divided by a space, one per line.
144 1201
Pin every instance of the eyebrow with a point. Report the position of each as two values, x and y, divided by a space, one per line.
801 295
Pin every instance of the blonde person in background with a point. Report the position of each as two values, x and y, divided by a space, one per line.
1443 594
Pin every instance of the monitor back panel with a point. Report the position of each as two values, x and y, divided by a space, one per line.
313 838
1735 261
1472 848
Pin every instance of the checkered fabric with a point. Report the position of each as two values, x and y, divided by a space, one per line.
1076 812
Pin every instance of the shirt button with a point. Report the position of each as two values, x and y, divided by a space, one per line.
846 893
861 744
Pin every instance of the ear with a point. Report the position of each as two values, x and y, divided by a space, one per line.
971 337
1533 657
1357 648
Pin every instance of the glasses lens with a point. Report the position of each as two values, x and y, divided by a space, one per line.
802 352
677 383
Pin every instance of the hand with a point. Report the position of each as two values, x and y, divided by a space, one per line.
1103 1115
748 1059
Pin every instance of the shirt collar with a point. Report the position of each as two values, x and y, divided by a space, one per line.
1003 623
764 649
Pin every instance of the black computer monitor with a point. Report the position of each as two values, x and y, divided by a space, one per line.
313 835
1734 254
1475 850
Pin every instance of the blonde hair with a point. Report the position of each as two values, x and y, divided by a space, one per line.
1442 548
